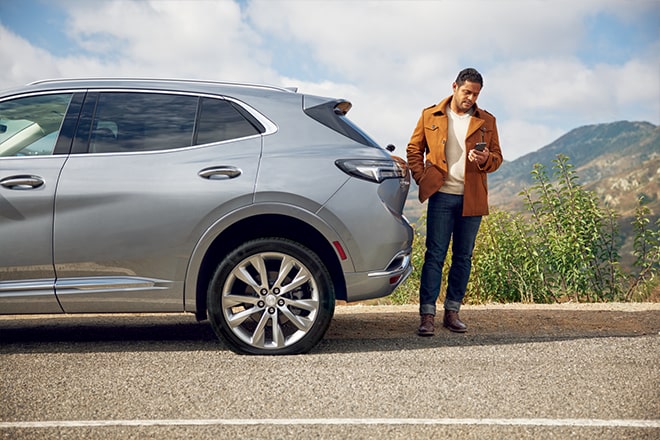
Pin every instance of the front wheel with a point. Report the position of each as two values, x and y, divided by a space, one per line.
271 296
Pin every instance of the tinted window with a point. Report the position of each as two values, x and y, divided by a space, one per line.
219 121
332 116
142 122
29 126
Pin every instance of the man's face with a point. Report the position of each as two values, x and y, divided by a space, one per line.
465 96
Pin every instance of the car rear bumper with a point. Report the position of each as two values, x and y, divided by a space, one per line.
376 284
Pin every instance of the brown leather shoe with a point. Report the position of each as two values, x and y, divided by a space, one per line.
453 323
426 327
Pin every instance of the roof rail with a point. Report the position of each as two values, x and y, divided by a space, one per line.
172 80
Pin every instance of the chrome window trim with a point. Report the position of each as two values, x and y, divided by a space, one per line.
41 93
169 150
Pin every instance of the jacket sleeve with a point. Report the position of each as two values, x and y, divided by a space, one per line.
495 153
416 150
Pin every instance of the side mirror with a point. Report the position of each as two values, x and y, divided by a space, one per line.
390 148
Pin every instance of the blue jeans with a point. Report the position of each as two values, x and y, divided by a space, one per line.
445 222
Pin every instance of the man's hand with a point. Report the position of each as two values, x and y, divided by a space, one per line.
480 157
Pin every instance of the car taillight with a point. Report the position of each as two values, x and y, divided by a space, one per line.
374 170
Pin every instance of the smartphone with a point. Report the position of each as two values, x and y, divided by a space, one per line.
480 146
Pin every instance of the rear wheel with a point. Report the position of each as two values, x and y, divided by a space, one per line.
271 296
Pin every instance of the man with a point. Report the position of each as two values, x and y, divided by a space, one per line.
449 168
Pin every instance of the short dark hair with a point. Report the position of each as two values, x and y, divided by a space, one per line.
471 75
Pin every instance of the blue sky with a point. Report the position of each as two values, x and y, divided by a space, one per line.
548 66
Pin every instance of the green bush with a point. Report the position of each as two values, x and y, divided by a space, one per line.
564 248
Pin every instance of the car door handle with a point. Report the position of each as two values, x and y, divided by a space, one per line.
219 173
22 182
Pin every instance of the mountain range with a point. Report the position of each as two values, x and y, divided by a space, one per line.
619 161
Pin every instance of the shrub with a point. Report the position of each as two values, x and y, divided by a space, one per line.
564 248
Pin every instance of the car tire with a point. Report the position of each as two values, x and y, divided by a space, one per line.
271 296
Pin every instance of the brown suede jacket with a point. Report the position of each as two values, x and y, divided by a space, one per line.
430 173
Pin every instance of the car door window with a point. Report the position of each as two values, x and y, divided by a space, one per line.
221 120
134 122
29 125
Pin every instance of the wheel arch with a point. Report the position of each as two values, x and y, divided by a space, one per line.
257 226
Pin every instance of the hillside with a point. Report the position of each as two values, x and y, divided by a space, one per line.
619 161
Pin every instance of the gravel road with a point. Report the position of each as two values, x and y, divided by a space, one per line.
569 371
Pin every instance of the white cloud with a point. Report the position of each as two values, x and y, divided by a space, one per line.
555 89
636 83
547 89
519 137
20 62
172 39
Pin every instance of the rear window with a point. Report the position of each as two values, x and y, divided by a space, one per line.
220 120
142 122
330 114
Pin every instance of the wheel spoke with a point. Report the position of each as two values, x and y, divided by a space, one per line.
278 336
310 305
237 319
285 267
303 276
242 273
235 300
302 323
259 335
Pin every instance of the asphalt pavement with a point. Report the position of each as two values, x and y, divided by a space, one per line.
527 372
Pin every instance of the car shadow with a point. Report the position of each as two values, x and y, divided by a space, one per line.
106 333
348 332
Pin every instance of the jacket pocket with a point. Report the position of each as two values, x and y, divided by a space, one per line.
432 180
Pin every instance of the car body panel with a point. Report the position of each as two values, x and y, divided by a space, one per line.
152 207
26 218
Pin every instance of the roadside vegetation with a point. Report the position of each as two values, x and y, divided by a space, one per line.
565 247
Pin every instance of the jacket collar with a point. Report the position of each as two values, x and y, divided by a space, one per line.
439 109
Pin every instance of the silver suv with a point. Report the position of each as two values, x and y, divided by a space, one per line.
252 206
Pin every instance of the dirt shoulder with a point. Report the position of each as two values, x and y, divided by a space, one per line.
526 321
